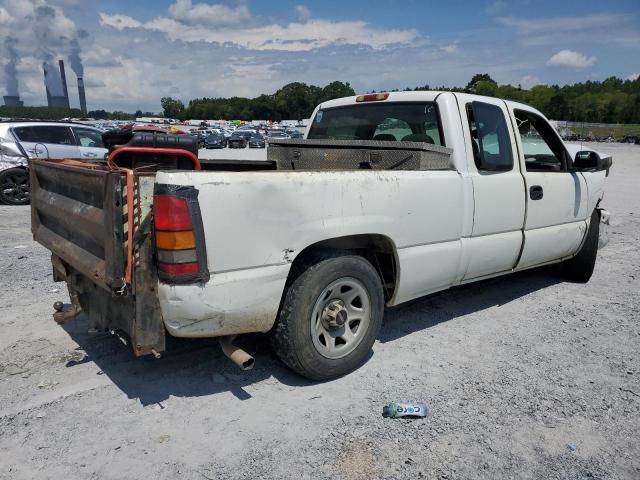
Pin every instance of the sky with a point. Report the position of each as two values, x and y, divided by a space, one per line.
133 52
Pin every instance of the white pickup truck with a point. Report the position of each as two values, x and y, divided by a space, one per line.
313 255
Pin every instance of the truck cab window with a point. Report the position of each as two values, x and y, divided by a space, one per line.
489 137
542 148
408 122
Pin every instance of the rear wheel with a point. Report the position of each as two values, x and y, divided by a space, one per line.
329 318
580 268
14 186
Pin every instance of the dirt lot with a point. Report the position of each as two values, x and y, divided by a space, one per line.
525 376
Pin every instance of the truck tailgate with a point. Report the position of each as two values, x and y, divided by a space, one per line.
77 213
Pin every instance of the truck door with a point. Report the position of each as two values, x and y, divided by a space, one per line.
498 188
556 198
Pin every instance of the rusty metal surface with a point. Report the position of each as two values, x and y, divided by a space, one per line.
76 213
148 332
79 214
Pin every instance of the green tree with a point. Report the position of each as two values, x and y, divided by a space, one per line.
98 114
479 77
118 115
336 90
172 108
557 108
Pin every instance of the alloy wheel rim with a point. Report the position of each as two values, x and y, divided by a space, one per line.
15 187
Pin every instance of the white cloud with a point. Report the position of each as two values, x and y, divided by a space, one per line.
529 81
554 24
186 12
302 13
633 76
5 18
449 48
305 34
570 58
119 22
574 30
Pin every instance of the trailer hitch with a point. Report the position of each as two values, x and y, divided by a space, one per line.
61 314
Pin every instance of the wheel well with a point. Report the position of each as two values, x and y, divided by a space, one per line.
377 249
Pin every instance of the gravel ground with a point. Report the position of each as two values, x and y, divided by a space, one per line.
525 376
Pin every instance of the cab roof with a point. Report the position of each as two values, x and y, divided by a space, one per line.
419 96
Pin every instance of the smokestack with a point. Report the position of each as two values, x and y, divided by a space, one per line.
10 70
45 69
53 86
63 78
83 100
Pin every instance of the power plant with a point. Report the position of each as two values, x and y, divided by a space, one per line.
56 88
55 77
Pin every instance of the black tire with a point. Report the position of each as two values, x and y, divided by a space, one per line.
291 336
14 186
580 268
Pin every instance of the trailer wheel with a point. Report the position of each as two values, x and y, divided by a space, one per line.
14 186
329 318
580 268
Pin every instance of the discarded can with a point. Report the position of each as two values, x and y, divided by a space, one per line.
395 410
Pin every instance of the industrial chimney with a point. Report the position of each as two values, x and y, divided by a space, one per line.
63 78
83 100
53 87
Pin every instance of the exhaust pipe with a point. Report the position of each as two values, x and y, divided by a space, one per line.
236 354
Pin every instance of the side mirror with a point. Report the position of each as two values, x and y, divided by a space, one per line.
587 160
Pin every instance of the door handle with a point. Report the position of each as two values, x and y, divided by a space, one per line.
90 155
535 192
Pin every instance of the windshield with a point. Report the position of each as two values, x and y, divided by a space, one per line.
409 122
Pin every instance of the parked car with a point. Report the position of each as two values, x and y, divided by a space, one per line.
21 141
296 134
239 138
277 134
215 140
313 255
257 141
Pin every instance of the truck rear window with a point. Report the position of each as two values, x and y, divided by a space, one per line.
409 122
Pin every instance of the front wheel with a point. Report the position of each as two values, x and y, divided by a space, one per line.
580 268
329 318
14 186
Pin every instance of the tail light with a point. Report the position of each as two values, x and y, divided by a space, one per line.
182 256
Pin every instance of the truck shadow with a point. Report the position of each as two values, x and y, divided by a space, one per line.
197 367
463 300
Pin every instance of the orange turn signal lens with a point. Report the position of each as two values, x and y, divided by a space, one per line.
175 240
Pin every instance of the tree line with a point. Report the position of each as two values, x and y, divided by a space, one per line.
609 101
612 100
294 101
